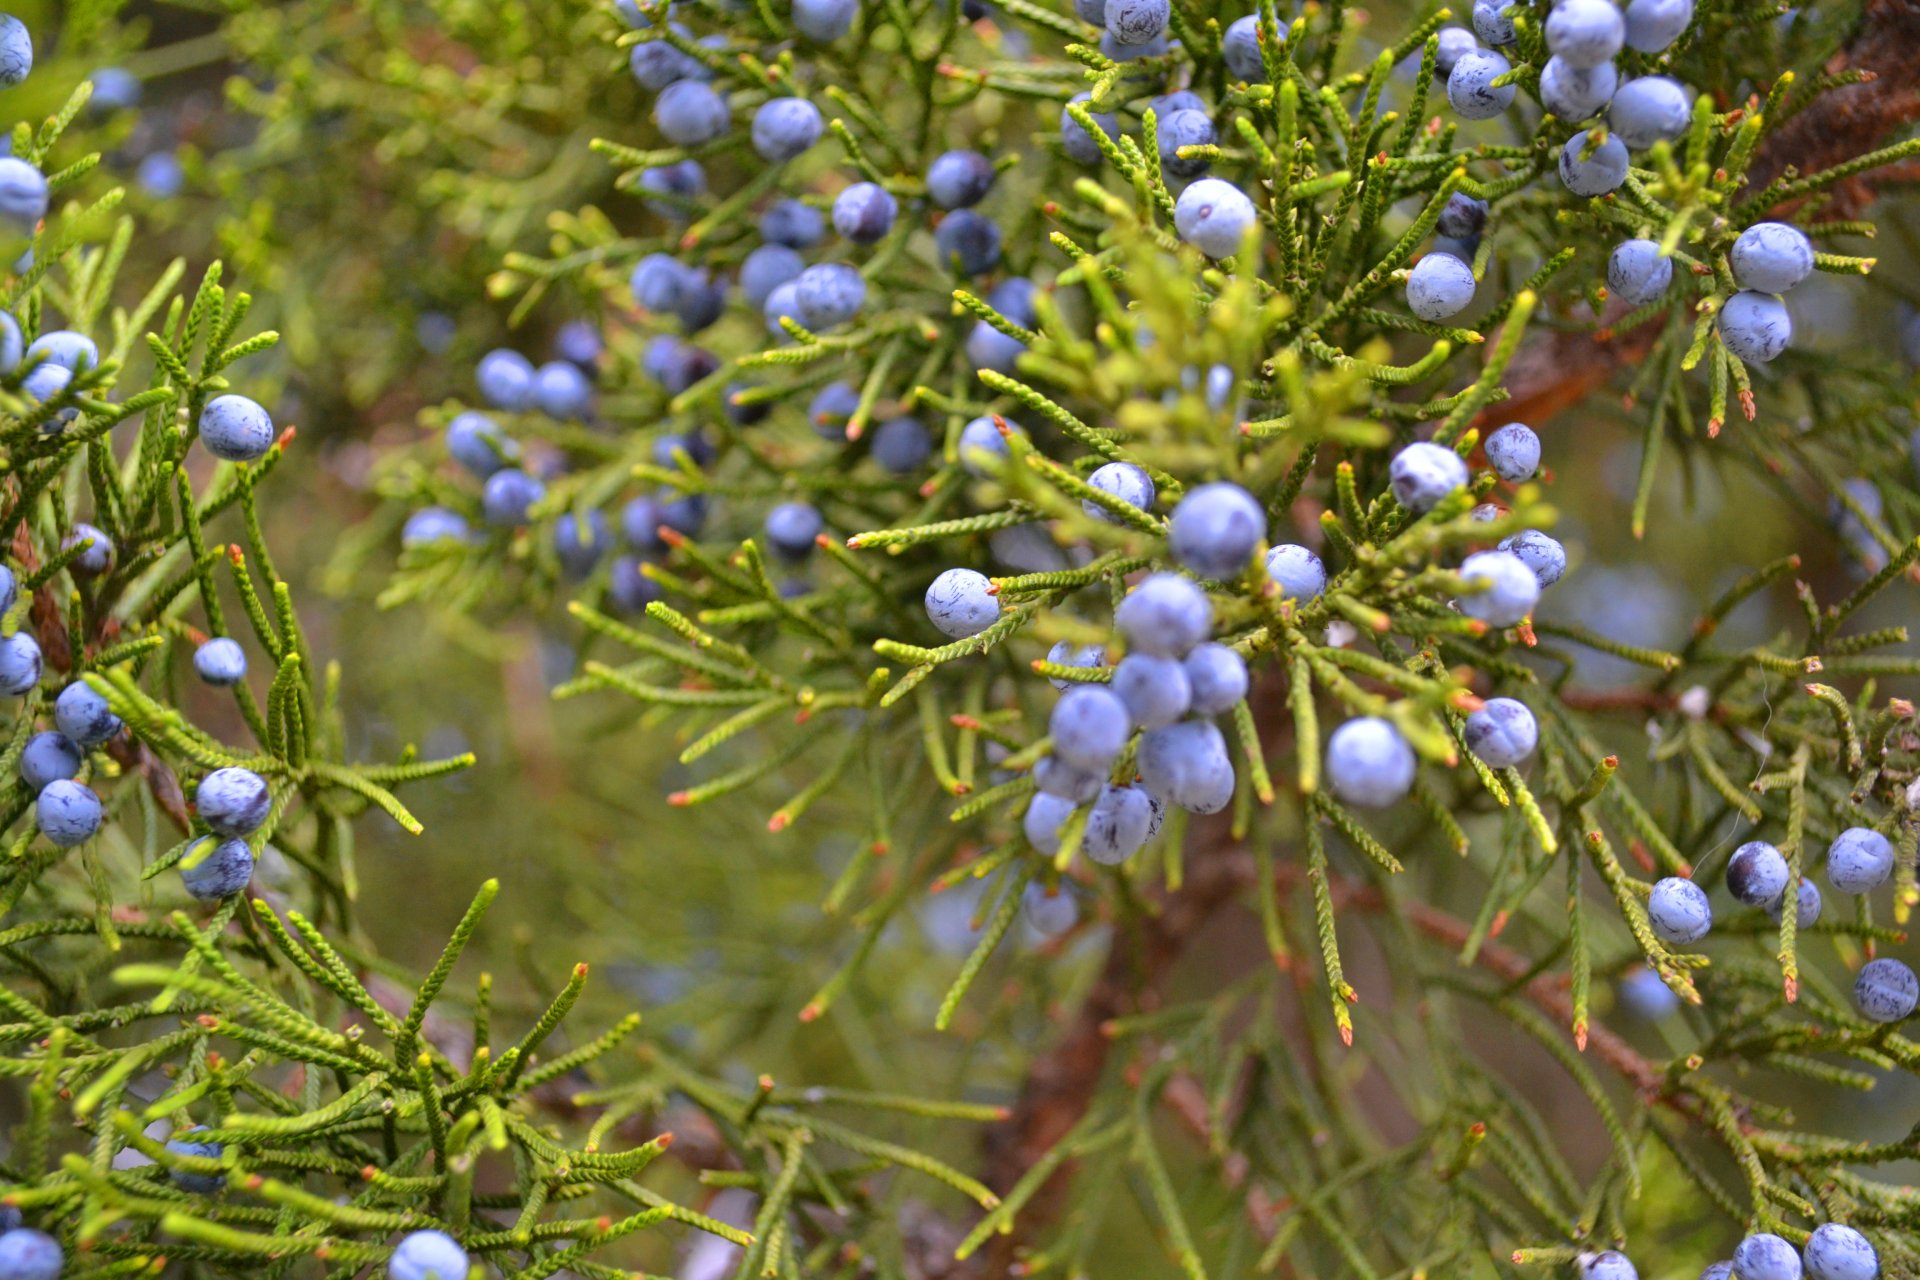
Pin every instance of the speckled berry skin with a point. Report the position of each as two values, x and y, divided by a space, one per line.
1216 677
72 351
200 1184
1644 995
1859 860
1637 273
1180 129
1462 217
1502 733
1540 552
1136 22
960 603
67 813
1765 1256
1440 285
1611 1265
217 869
48 757
97 558
791 528
1838 1252
1757 873
1368 763
959 179
827 295
1041 822
1652 25
1089 726
16 59
1648 110
1118 824
1491 24
236 429
1577 93
233 802
1240 50
1423 473
26 1254
1718 1270
1454 44
83 715
982 449
1186 763
1807 906
1297 571
1771 257
435 1255
1510 592
1066 653
785 128
220 662
1056 777
865 212
1470 89
1755 327
968 242
1598 174
1122 480
1679 911
690 113
1215 529
23 194
1166 614
19 664
1886 990
1154 690
1514 452
1076 141
507 495
1585 33
1213 216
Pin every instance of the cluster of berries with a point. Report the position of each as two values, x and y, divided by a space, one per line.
1833 1251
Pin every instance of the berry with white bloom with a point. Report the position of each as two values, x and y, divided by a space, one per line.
1369 763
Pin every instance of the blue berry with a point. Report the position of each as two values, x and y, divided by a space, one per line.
824 21
1577 93
793 224
1165 615
16 62
1648 110
1502 733
959 179
11 349
435 1255
1093 12
1240 50
578 341
1132 52
961 603
1585 33
204 1184
742 411
673 188
1079 144
1859 860
1013 298
505 379
1122 480
1462 218
1179 100
690 113
85 716
1423 473
1755 326
216 869
1886 990
784 128
1454 44
48 757
1765 1256
902 445
73 351
1599 173
1215 529
1643 994
1220 387
26 1254
828 295
1508 588
1187 764
1837 1252
686 364
1044 817
1297 571
831 409
9 589
982 449
1770 257
1638 273
1539 552
1217 677
865 212
1471 89
659 283
23 194
784 301
42 386
968 242
1611 1265
629 590
684 515
1065 653
1806 912
1757 873
1514 451
1440 285
221 661
1055 777
1492 25
1136 22
1652 25
67 812
766 269
1368 763
561 391
233 802
640 522
19 664
236 428
693 443
655 64
1120 821
1089 725
96 559
702 304
1155 691
988 348
1679 911
1214 216
1184 129
508 495
579 541
791 529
